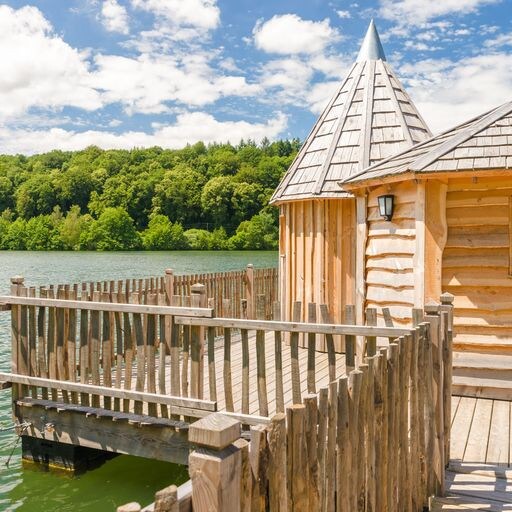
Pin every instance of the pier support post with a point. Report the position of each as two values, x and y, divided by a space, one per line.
51 455
215 466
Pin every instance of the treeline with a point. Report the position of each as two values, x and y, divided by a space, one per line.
198 197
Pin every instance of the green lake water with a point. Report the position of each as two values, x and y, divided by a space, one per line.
123 478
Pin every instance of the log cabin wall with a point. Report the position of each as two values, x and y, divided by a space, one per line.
390 256
317 253
476 262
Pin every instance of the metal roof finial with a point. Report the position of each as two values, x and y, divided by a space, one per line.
371 49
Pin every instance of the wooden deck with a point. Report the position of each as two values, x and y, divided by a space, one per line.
480 476
321 373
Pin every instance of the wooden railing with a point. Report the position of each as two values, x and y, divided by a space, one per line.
232 293
376 439
162 360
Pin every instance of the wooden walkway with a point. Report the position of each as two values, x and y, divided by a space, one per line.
321 373
480 476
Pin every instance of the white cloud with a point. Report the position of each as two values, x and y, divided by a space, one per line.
499 41
343 14
416 12
114 17
146 83
203 14
320 94
189 127
450 92
288 34
40 69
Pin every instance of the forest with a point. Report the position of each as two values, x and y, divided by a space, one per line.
200 197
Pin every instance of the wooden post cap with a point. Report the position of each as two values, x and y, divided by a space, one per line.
447 299
17 280
250 265
130 507
432 308
198 288
215 431
169 271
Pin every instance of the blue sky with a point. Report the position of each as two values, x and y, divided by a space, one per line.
125 73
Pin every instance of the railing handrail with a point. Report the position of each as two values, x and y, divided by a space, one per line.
108 306
300 327
182 405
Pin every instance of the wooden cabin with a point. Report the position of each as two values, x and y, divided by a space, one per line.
449 232
369 118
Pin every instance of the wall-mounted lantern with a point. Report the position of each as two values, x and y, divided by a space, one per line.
386 205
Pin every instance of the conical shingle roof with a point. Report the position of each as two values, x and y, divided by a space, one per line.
370 118
482 143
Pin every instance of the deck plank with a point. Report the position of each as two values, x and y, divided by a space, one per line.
476 448
461 427
499 435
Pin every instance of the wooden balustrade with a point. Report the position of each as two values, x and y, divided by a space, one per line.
372 440
233 293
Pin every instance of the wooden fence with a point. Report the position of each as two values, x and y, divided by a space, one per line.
376 439
232 294
148 358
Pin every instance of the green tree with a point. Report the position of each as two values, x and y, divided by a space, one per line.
15 238
36 196
72 227
113 231
178 195
216 200
163 235
259 233
42 234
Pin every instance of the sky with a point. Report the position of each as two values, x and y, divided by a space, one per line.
139 73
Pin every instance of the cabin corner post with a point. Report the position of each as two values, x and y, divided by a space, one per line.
447 332
432 199
17 283
432 316
215 466
361 238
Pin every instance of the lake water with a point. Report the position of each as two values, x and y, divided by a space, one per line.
123 478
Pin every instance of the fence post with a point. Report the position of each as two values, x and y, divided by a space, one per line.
432 317
198 298
215 466
249 291
447 330
16 286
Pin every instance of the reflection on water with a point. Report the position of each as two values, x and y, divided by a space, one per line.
123 478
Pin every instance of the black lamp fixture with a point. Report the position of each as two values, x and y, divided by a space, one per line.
386 205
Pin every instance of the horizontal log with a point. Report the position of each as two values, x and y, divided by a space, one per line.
477 317
475 198
387 296
488 229
492 259
179 405
390 245
478 241
482 343
108 306
262 325
488 299
477 277
397 263
401 211
481 183
478 216
396 280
